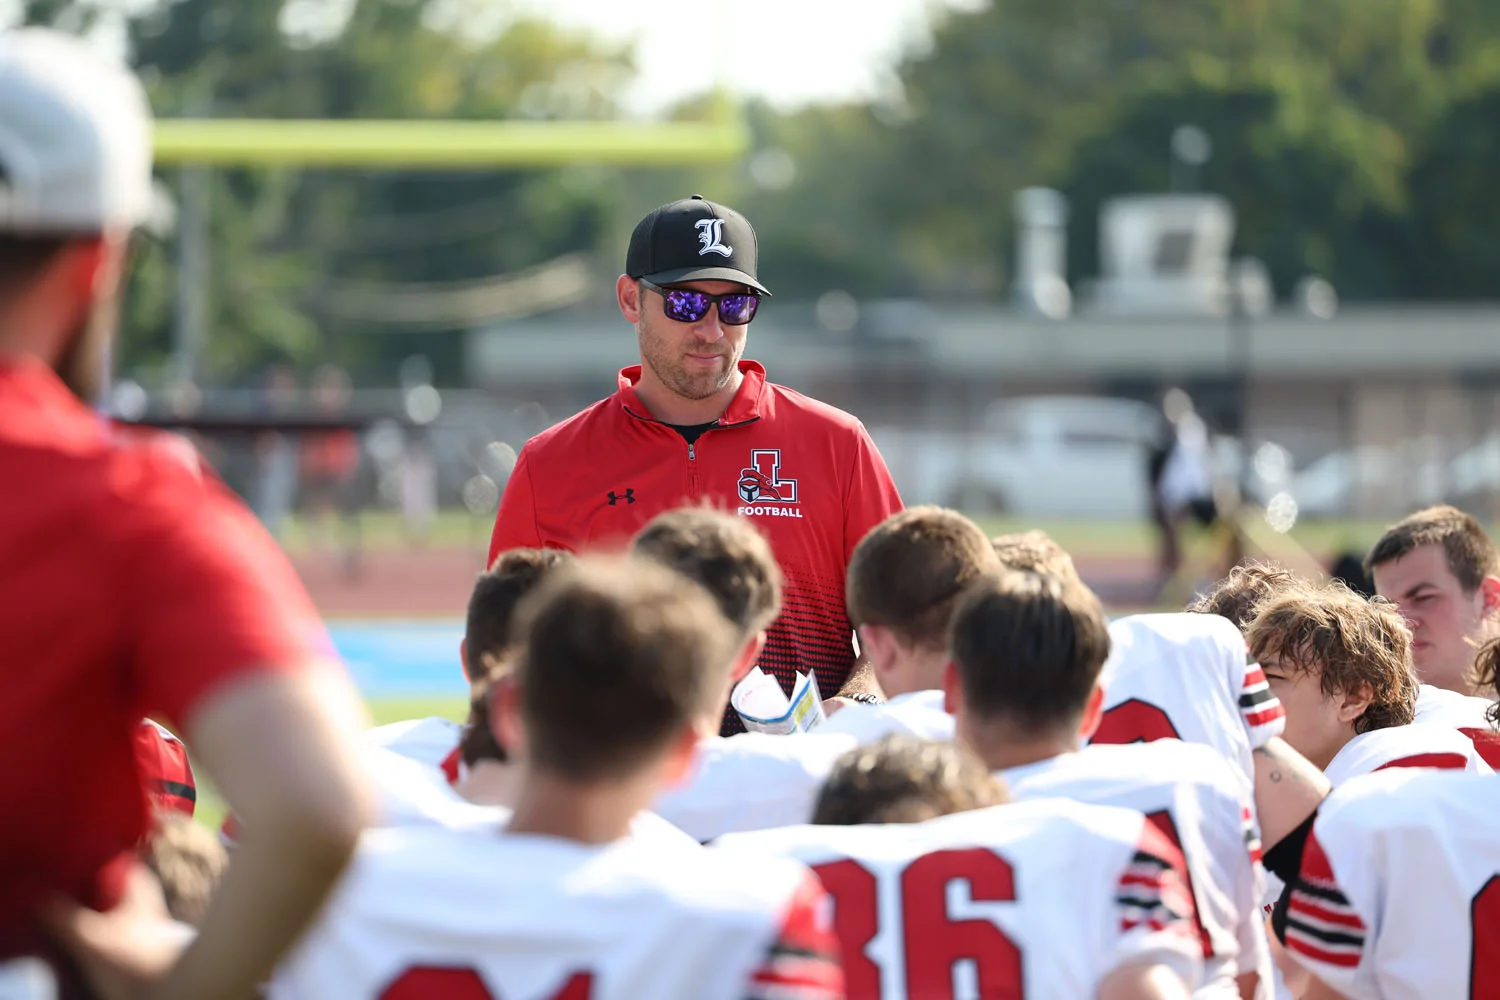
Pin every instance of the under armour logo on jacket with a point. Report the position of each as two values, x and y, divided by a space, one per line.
628 496
710 231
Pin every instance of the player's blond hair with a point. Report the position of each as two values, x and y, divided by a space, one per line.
1486 678
188 860
1035 552
1235 597
1351 642
902 779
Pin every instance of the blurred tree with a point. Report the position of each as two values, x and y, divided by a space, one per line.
284 239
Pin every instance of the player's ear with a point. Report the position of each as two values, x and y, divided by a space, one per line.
505 717
879 646
1352 703
953 695
749 653
681 757
1489 591
628 295
1093 713
463 658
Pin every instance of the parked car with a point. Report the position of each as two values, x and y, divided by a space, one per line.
1053 456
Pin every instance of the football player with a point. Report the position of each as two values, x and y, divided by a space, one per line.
1049 898
1028 650
1341 666
623 670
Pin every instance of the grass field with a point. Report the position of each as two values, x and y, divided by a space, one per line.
210 810
1115 540
460 529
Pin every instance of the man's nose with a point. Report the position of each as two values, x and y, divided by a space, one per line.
709 329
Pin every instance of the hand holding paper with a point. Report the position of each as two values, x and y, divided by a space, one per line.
765 708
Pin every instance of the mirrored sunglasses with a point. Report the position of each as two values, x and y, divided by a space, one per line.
688 306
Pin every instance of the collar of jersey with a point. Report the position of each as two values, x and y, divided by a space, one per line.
744 408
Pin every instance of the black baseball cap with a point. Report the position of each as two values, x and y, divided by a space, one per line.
693 240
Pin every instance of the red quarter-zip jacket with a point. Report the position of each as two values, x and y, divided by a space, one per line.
805 473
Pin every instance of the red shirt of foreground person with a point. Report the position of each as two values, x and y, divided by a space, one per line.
696 423
130 583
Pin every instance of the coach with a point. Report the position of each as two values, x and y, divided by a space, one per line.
694 422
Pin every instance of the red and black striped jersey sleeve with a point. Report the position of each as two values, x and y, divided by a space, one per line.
1322 926
1153 890
1262 711
803 962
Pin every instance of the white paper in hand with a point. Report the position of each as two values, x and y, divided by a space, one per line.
765 708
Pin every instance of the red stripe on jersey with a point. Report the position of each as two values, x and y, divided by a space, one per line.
1302 946
1254 676
1308 906
1446 761
1266 715
451 764
1486 744
803 961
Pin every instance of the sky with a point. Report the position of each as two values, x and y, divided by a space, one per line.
789 52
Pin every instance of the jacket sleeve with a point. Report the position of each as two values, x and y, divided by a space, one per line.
870 494
515 522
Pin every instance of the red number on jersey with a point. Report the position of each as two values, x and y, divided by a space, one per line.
933 943
856 921
1484 961
1134 721
425 981
1163 822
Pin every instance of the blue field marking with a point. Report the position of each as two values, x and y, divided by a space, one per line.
402 659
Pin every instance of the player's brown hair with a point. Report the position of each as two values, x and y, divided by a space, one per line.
1486 678
188 861
724 554
903 779
1470 553
1035 552
908 573
489 638
1028 648
1247 585
1349 641
489 624
619 656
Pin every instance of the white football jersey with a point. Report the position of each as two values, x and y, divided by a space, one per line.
1404 746
919 714
1399 895
752 781
1188 677
409 793
1440 707
1036 899
1198 800
432 912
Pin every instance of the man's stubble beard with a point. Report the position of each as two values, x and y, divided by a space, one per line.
674 376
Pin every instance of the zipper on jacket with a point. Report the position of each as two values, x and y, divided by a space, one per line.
692 470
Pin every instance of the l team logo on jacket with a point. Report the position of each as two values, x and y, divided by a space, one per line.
761 486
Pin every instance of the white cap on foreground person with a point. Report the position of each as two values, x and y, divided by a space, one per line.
624 669
194 614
